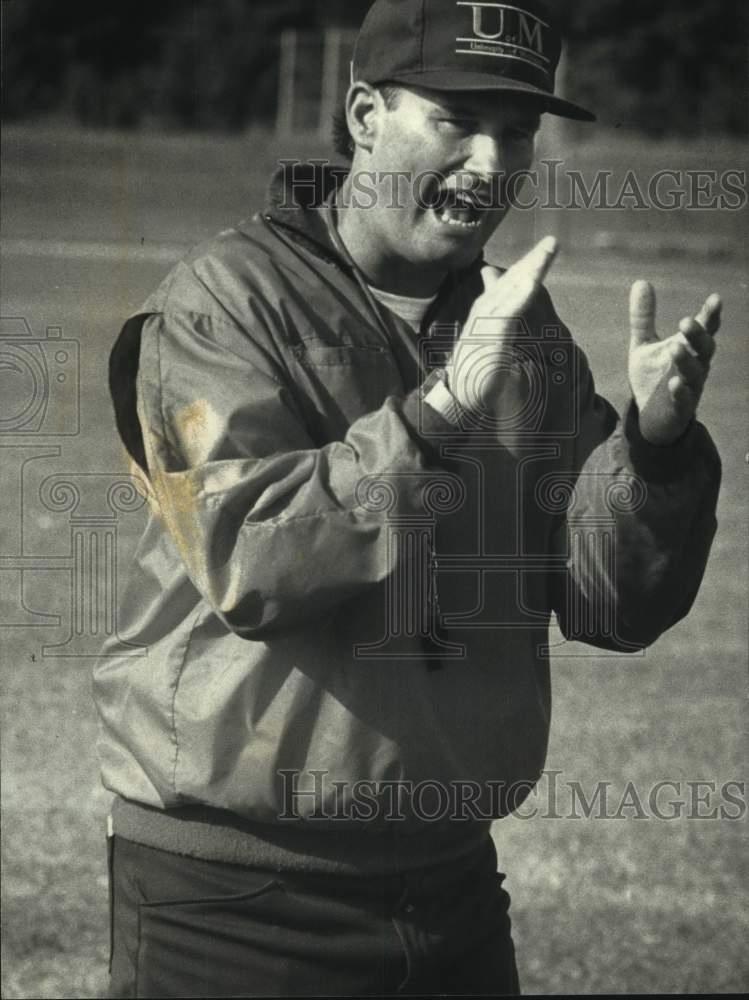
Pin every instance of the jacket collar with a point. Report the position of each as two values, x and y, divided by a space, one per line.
295 199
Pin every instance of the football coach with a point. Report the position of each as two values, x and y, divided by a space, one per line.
377 465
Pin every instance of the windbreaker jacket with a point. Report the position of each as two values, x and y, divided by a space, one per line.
334 578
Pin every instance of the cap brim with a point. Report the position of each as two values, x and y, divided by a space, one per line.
456 80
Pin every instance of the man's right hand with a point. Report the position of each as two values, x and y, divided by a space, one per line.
479 363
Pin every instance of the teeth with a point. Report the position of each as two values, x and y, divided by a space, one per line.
447 218
459 209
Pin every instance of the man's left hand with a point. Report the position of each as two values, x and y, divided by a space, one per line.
667 376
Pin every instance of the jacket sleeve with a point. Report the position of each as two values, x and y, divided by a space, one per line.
637 533
272 530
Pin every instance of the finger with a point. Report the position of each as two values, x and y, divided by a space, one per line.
642 313
691 368
709 315
684 397
536 263
693 335
506 296
534 266
517 286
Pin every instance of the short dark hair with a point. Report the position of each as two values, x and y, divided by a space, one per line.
342 141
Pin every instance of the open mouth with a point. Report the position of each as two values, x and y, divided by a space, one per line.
459 209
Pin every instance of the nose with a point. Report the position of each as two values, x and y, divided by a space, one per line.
485 157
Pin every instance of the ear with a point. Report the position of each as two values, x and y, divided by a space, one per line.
363 107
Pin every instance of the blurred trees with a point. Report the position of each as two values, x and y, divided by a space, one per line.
664 66
182 63
671 66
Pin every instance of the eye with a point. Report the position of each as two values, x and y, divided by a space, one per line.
458 124
521 134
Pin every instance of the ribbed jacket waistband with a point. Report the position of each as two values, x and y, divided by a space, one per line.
218 835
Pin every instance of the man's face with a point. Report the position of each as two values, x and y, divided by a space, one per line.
461 145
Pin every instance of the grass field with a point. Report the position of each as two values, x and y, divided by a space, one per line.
599 905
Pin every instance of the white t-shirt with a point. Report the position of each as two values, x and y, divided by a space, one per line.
411 309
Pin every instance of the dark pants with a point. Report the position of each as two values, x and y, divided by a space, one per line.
183 927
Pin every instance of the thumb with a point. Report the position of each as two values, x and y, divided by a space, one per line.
642 313
490 275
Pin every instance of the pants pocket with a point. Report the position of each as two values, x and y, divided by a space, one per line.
216 946
186 927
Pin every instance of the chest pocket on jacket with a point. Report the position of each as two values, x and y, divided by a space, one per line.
344 381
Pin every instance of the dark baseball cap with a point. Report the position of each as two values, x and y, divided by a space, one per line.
461 45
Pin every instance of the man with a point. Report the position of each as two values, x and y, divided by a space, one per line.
376 465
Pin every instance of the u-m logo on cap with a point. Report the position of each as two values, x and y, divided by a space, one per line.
505 31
